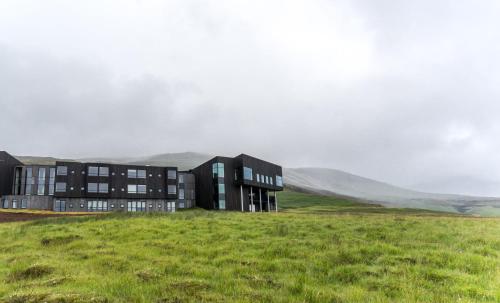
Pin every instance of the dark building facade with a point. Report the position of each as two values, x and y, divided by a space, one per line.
243 183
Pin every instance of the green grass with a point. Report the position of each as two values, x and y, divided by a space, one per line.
320 249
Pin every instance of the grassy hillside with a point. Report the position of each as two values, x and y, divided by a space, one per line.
320 249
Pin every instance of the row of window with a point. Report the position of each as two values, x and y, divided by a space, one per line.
104 188
15 203
103 171
248 175
102 205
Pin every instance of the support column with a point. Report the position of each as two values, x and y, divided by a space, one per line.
260 199
276 201
268 205
241 191
251 199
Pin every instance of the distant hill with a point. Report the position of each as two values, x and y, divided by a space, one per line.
323 181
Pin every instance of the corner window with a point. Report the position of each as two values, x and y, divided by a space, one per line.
60 187
247 174
62 170
172 174
279 181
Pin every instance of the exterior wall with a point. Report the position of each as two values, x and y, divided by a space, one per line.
234 183
77 180
7 165
32 202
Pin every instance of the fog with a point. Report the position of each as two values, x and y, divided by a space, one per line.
403 92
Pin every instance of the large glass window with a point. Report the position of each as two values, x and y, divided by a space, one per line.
134 206
222 188
172 174
52 180
104 171
132 189
92 187
279 181
60 205
93 171
247 174
97 206
218 170
62 170
172 189
60 187
29 181
171 207
41 181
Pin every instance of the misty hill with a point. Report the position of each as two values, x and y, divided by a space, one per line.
325 182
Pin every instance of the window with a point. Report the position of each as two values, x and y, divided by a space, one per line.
14 203
271 180
141 189
132 189
222 204
132 173
279 181
103 188
267 180
181 178
93 171
171 207
41 181
104 171
5 203
97 206
258 177
141 174
222 189
135 206
172 189
60 187
52 180
62 170
92 187
181 193
29 180
218 170
172 174
60 205
181 205
247 174
24 203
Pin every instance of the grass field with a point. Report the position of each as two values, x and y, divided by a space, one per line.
319 249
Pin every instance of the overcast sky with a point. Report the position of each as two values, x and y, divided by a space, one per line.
401 91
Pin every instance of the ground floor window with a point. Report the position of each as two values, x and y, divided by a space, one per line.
24 203
181 204
5 203
135 206
14 203
171 207
96 205
60 205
